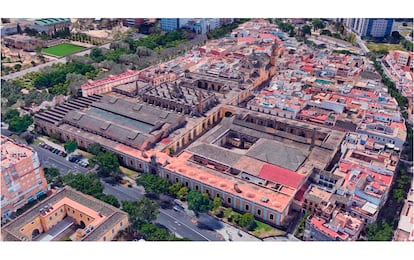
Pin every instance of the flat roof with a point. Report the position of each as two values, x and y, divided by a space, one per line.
13 152
215 153
277 153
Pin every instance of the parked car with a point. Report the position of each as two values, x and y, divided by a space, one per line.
178 208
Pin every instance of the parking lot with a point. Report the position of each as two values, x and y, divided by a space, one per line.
51 157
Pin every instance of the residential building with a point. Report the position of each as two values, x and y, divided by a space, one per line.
341 227
373 27
199 25
22 176
170 24
133 22
67 213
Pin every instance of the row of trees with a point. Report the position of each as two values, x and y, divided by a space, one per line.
388 217
222 31
90 184
198 202
401 100
141 215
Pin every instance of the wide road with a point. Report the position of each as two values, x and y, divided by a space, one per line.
37 68
178 223
52 160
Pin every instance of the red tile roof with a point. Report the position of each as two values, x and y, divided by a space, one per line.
246 39
319 224
281 175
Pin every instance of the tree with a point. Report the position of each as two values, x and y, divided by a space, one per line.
87 183
94 148
301 225
110 199
306 29
38 49
199 202
379 231
108 162
352 38
17 67
217 203
10 114
228 212
398 195
19 124
153 183
96 55
318 24
247 221
182 193
70 146
153 233
19 29
175 188
141 211
147 210
51 174
28 137
326 32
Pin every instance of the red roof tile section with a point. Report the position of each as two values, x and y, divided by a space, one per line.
281 175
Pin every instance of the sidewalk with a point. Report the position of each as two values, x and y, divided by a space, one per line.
231 233
54 145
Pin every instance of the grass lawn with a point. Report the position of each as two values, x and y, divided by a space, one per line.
384 46
263 230
63 49
130 173
37 141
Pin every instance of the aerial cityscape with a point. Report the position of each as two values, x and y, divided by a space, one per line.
207 129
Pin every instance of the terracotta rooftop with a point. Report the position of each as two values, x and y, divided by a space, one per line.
281 175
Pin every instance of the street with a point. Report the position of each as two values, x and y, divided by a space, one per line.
37 68
178 223
50 160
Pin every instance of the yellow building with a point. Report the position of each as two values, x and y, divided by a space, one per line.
67 214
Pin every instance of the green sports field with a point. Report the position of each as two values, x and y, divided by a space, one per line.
62 49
